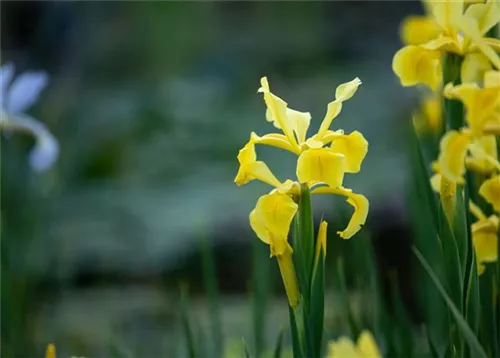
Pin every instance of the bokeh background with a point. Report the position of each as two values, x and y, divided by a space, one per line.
150 103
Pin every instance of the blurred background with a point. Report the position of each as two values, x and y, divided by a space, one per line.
150 103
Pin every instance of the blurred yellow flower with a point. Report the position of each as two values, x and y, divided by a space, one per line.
485 239
366 347
51 351
490 190
461 32
453 149
429 117
453 157
482 103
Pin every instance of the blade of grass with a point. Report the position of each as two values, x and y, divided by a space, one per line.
425 217
245 348
186 325
475 347
279 345
490 331
212 290
317 311
344 294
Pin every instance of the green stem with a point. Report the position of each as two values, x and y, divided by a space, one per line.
453 109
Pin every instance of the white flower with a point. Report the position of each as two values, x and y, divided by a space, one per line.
15 99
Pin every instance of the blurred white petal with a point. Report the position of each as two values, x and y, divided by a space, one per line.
6 73
46 148
25 90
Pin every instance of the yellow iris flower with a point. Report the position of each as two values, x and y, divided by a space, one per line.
484 238
461 32
365 347
317 166
323 157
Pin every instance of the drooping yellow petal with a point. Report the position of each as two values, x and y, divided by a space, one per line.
271 220
474 66
367 346
358 201
51 351
321 166
342 348
251 169
354 146
485 15
277 111
343 92
453 148
414 65
490 191
416 30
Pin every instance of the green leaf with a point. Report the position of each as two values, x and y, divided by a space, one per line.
303 242
279 345
344 294
303 256
212 290
245 348
188 332
425 218
299 343
472 302
488 284
260 291
317 304
454 277
475 347
453 109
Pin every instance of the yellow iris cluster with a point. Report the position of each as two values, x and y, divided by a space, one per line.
450 26
457 27
475 148
323 159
